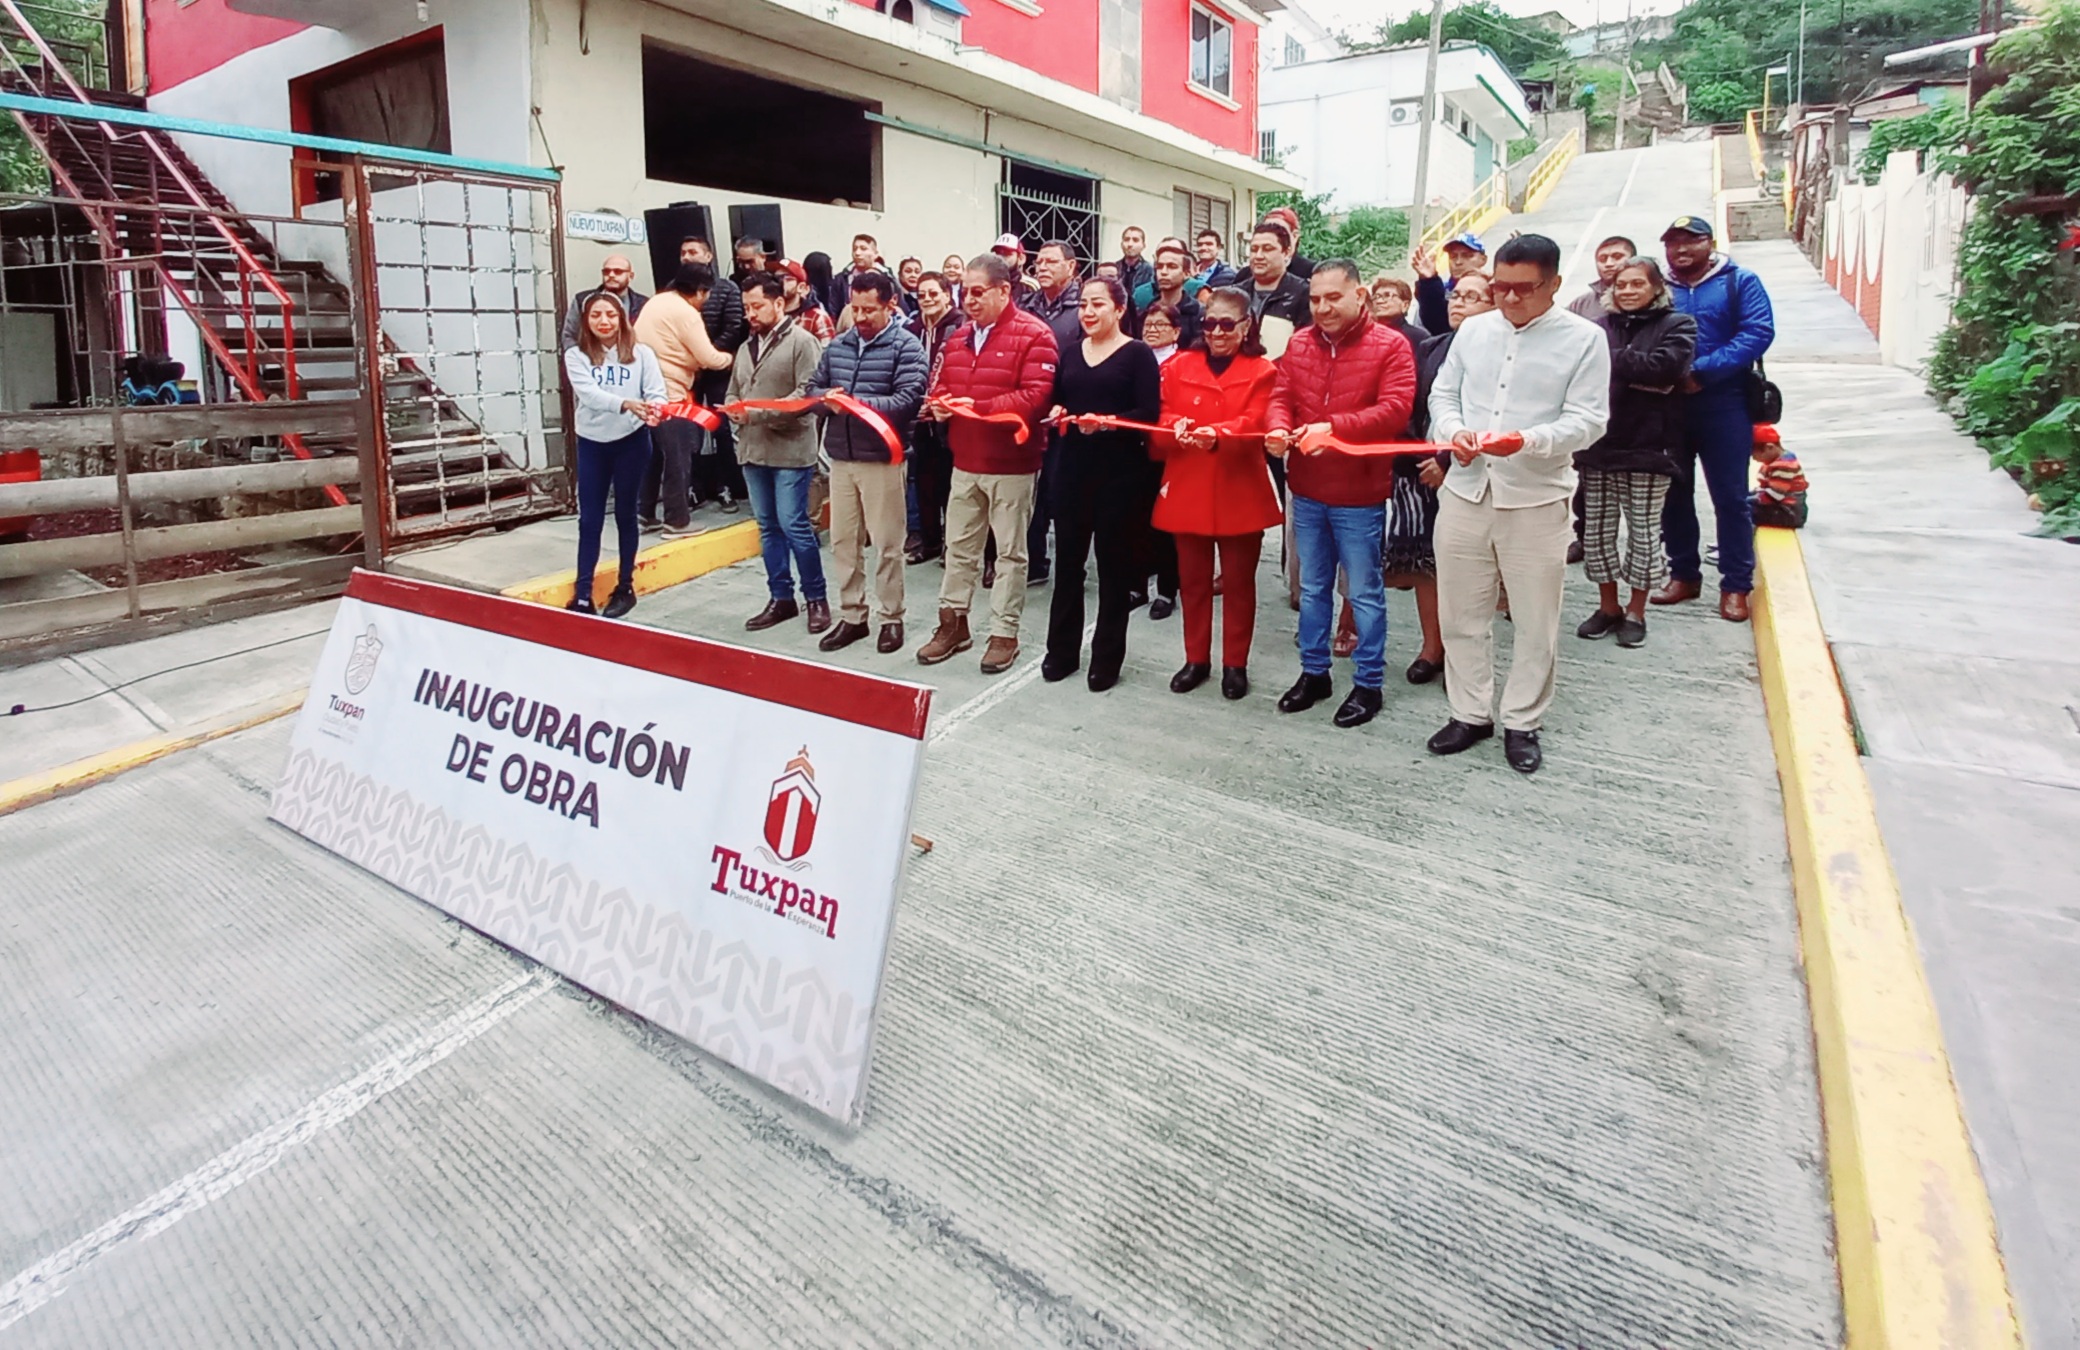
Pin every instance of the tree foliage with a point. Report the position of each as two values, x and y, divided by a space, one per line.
1732 42
2010 359
1374 237
1518 44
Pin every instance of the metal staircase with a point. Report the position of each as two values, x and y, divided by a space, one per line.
274 328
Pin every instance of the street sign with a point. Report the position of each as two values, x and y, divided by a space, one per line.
709 836
604 227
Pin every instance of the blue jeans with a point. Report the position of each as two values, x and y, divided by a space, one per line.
1325 537
780 504
1721 437
619 465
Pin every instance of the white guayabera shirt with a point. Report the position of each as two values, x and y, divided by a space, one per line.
1550 380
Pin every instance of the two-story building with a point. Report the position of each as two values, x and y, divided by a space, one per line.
933 125
1350 125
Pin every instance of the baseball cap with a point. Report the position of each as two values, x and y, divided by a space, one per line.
1286 214
1008 243
1472 241
795 270
1688 225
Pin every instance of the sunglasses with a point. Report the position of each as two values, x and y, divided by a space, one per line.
1220 325
1515 290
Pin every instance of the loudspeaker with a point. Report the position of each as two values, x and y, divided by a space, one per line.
759 220
666 227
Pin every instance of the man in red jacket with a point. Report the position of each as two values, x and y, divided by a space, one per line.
1000 362
1356 380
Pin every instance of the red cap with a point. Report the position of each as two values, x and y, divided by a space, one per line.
794 269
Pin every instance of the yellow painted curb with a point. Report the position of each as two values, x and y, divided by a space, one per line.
658 567
82 773
1914 1233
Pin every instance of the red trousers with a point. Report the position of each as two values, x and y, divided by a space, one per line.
1239 554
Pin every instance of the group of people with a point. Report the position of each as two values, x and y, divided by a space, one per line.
1163 411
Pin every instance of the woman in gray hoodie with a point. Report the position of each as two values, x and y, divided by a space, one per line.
618 389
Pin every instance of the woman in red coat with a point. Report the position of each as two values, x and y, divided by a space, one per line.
1217 491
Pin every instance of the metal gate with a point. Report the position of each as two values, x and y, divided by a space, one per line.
1040 218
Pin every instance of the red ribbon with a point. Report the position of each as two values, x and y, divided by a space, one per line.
710 419
1017 422
1308 443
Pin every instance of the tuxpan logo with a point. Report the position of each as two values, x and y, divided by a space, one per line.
791 809
361 661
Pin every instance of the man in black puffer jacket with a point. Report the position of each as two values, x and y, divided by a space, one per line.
880 363
1627 473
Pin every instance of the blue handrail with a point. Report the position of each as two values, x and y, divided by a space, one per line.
133 117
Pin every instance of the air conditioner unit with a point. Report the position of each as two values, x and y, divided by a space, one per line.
1405 114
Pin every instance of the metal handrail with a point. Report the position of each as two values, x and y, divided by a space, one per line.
247 263
1548 170
1492 195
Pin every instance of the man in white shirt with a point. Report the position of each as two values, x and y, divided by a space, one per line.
1523 388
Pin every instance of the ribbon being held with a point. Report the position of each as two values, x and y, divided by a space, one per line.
710 419
1020 431
1314 442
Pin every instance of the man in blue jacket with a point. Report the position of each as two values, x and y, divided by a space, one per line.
1734 329
880 363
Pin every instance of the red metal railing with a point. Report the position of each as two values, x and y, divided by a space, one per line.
248 375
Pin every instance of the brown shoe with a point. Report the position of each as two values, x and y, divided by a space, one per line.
842 636
1733 606
775 612
1675 592
819 615
891 639
950 640
998 656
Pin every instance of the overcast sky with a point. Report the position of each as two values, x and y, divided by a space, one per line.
1365 14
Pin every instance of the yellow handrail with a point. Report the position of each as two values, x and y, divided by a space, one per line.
1488 203
1752 124
1548 170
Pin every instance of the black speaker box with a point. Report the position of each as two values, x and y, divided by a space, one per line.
668 225
758 220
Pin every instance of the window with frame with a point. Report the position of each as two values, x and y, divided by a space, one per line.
1295 53
1196 211
1213 45
1267 146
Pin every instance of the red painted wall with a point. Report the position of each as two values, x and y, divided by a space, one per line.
1166 62
1062 43
183 42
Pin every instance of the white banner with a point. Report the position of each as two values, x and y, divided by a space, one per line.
709 836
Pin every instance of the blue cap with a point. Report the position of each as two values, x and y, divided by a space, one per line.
1469 240
1696 225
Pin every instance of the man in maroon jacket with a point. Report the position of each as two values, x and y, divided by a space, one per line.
1356 380
1000 362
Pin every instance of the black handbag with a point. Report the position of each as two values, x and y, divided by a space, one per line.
1765 400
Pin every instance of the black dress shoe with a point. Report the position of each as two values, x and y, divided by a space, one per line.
1136 599
1599 623
775 612
581 604
1234 682
1054 669
1101 680
620 602
1162 607
891 639
842 634
1307 691
819 612
1421 671
1456 735
1190 676
1359 708
1520 748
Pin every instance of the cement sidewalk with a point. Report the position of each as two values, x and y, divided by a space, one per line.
1954 632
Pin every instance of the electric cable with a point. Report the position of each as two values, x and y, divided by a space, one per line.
21 710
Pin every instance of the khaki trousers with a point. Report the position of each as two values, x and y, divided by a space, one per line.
978 504
1525 550
867 511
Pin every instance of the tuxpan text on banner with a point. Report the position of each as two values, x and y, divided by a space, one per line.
708 836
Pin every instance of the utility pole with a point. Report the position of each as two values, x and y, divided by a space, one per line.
1801 99
1624 74
1429 116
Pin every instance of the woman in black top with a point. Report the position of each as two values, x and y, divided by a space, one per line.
1102 485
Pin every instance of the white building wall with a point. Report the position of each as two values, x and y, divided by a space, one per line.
1334 127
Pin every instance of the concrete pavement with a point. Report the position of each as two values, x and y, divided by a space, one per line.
1203 1026
1953 632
